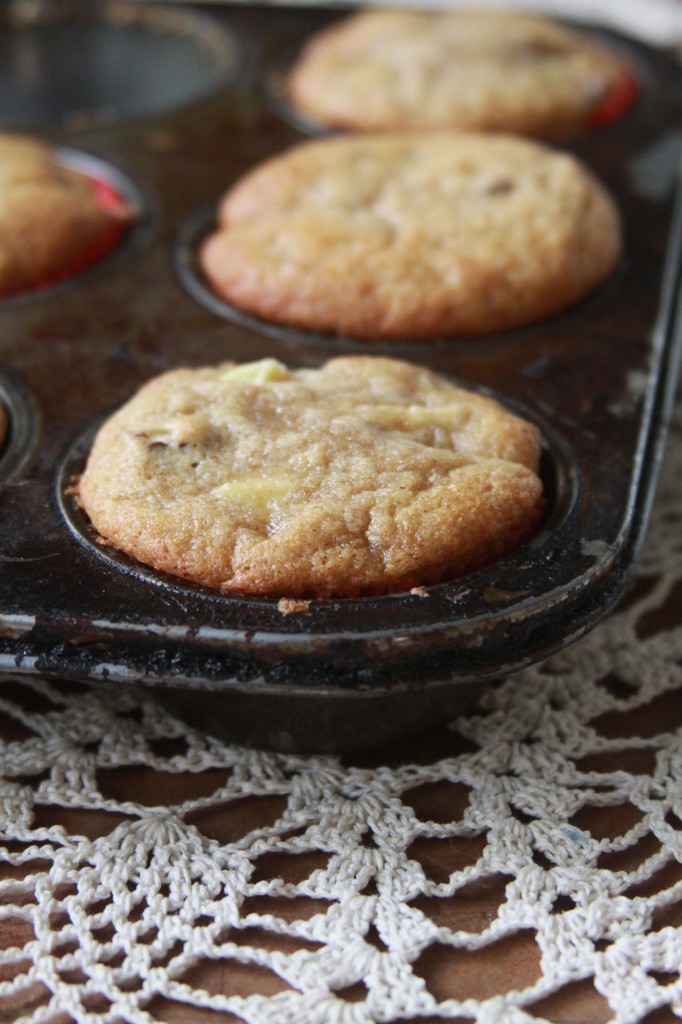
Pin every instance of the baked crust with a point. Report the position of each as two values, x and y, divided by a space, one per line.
483 69
412 236
50 219
365 476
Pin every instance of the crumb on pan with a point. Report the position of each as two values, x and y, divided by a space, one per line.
292 605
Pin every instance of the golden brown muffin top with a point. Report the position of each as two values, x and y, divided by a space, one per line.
366 475
413 236
497 70
49 215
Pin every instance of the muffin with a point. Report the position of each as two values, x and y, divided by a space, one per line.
54 221
412 236
368 475
468 69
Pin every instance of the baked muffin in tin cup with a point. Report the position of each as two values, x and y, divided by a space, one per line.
65 214
363 477
464 69
407 237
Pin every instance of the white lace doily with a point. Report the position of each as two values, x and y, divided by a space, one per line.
559 802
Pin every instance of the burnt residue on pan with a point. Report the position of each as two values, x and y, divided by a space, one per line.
335 674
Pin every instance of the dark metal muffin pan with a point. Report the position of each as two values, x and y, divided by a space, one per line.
599 378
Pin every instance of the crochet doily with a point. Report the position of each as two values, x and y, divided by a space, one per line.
555 805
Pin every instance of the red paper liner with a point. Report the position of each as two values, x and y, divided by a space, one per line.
616 103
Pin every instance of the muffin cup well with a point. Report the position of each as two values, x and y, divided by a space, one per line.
21 437
95 65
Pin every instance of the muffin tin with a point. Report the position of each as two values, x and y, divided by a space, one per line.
599 379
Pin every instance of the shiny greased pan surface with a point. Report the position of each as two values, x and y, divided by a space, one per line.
597 378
